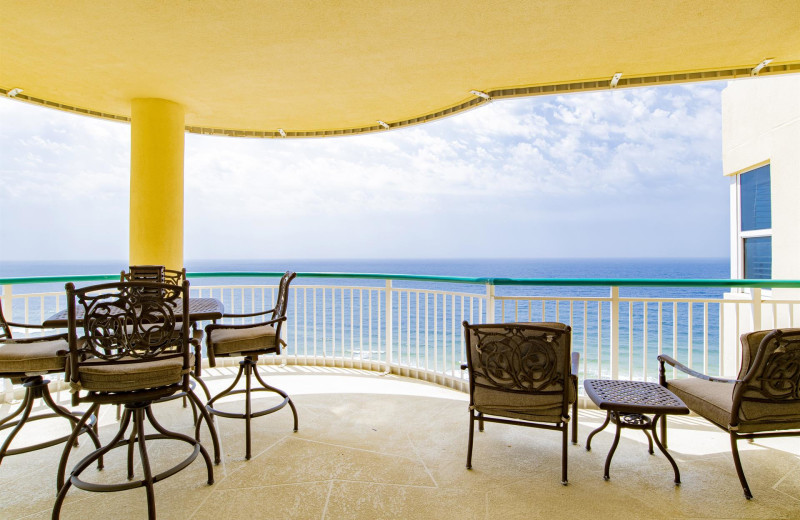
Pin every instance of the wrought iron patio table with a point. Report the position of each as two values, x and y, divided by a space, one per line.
626 403
200 309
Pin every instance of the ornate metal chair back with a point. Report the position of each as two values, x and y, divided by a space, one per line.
128 322
522 359
769 379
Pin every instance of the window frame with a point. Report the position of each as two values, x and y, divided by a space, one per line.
755 233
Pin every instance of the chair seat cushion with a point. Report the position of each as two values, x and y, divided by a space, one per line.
96 376
540 408
714 401
242 340
709 399
38 356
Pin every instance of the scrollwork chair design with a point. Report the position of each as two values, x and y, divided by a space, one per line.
763 401
135 352
251 340
522 374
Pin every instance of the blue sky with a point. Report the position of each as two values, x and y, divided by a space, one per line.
623 173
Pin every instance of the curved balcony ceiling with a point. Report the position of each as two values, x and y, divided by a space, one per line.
322 68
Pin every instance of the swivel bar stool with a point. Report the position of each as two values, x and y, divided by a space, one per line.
27 361
250 340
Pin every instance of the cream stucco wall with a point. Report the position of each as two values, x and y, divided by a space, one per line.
761 124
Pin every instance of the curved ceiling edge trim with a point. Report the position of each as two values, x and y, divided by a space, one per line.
496 93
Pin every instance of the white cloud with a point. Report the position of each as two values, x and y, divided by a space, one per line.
609 163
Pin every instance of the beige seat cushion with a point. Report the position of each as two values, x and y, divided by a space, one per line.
124 377
714 401
38 356
706 398
250 339
542 408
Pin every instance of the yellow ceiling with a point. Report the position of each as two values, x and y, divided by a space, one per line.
250 67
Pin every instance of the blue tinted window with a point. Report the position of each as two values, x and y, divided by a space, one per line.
756 199
758 258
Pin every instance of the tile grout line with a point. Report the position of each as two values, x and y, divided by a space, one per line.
245 463
388 484
416 452
344 446
327 500
778 483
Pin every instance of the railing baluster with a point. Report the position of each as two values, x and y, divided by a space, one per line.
427 335
585 337
675 337
416 329
388 299
689 338
369 322
614 322
630 340
599 340
435 334
705 338
644 340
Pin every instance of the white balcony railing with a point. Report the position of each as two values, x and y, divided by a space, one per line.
417 332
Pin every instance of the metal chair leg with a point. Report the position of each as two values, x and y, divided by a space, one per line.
248 367
471 435
738 463
575 422
564 443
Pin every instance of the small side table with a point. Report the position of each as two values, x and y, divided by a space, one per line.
626 403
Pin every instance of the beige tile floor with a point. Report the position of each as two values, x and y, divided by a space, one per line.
373 446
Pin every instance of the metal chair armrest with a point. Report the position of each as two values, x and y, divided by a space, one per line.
26 325
38 339
663 358
250 315
216 326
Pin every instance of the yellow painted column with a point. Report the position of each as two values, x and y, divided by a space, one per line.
156 219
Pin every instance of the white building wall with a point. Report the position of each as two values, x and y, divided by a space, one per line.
760 124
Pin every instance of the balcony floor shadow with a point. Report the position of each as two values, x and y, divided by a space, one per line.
384 446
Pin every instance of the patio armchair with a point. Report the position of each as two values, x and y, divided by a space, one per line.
522 374
27 361
763 401
134 352
251 340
